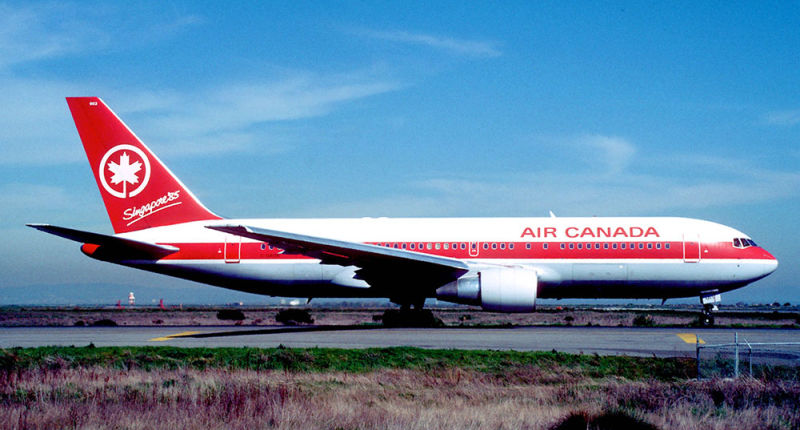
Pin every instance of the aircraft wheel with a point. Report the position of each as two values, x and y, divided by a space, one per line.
707 320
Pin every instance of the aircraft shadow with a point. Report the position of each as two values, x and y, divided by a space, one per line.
279 330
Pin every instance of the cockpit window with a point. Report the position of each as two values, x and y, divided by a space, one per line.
743 242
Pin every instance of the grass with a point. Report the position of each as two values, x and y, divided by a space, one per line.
394 388
341 360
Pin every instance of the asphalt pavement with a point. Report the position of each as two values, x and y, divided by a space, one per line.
661 342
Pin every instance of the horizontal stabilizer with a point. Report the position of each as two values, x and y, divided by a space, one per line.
115 243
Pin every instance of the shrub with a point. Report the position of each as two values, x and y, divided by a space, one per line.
605 421
294 317
643 321
230 315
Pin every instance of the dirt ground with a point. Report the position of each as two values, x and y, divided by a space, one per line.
551 315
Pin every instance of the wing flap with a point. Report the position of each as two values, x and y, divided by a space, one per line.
378 265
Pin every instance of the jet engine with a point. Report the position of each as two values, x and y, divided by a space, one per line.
495 289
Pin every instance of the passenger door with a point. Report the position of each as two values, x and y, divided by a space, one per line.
691 247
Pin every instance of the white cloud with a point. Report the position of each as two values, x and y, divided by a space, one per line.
579 191
198 122
471 48
783 118
39 31
221 118
615 152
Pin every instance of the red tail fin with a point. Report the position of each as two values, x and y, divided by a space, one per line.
138 190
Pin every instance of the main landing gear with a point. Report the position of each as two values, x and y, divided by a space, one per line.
709 306
408 317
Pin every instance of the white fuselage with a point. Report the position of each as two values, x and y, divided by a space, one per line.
572 257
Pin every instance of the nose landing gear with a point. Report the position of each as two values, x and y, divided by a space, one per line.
709 303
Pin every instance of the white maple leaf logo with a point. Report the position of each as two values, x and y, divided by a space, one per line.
132 171
124 171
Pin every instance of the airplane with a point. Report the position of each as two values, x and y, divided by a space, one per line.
499 264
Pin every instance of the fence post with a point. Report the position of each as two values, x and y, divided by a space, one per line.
697 349
736 359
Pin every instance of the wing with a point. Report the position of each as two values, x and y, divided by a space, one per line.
381 267
111 245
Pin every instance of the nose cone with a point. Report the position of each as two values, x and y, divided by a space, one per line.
768 262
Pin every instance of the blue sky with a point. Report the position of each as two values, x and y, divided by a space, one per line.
407 109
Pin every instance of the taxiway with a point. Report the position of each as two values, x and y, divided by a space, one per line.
662 342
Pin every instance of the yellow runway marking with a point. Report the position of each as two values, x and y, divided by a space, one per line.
173 336
690 338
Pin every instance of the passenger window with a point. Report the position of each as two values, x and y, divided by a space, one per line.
263 246
528 246
605 246
404 246
494 246
562 246
437 246
428 246
649 246
485 246
510 246
596 246
666 246
580 246
412 246
641 246
571 246
613 246
658 246
464 246
446 246
622 246
544 246
502 246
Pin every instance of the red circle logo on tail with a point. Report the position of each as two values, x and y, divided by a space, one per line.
124 171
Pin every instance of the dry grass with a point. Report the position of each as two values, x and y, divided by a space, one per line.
527 398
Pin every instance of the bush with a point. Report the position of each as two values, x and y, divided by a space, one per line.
230 315
294 317
643 321
605 421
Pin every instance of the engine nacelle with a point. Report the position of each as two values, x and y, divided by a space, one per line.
496 289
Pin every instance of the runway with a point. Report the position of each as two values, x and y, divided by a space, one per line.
662 342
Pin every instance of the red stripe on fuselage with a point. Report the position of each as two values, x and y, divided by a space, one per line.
499 250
